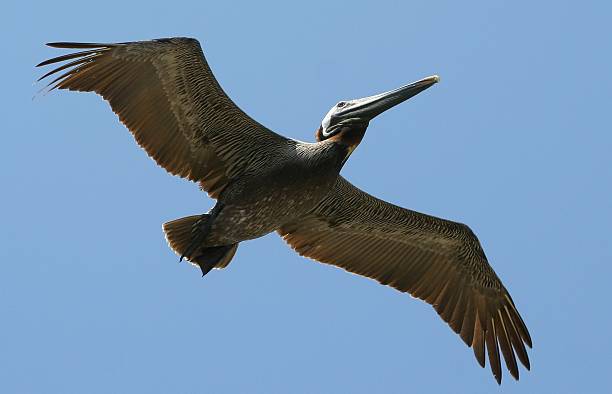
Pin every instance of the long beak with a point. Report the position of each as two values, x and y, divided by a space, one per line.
369 107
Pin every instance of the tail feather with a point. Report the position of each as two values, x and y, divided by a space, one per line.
181 233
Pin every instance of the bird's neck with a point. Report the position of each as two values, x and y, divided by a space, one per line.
347 140
349 136
322 156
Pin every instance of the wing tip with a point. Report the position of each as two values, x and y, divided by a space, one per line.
78 45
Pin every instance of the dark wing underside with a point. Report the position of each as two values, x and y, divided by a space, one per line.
167 96
436 260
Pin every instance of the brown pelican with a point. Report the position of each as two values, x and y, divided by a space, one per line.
166 95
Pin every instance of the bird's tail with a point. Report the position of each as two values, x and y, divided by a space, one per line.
186 235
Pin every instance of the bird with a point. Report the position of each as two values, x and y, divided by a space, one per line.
165 93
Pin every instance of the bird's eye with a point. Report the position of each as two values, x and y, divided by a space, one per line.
341 104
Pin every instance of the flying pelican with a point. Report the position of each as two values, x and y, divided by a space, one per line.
166 95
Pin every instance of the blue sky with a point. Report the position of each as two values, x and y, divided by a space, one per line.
515 141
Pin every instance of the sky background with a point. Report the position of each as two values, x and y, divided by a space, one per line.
515 141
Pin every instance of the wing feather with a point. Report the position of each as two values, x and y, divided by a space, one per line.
165 93
436 260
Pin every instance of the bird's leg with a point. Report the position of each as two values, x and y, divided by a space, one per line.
200 230
211 256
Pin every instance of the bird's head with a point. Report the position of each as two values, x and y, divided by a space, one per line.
347 121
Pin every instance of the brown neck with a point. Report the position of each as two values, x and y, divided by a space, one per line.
350 136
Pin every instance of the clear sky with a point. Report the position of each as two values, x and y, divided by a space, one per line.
515 141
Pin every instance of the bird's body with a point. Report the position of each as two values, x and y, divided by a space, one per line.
167 96
262 202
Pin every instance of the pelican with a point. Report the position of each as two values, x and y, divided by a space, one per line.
166 95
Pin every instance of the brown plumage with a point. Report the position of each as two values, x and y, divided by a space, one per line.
167 96
436 260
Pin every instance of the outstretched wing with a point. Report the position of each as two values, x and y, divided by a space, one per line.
436 260
167 96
